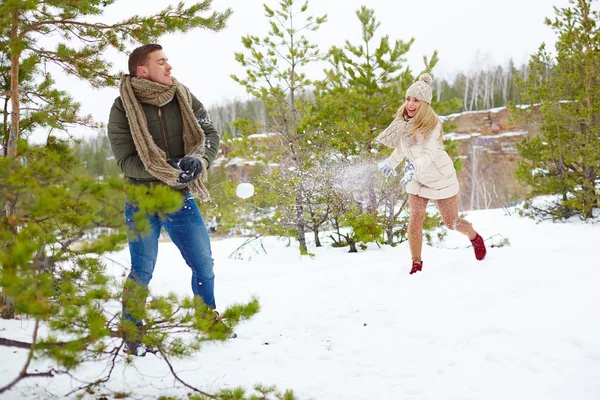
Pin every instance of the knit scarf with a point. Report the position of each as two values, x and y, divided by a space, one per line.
398 130
135 91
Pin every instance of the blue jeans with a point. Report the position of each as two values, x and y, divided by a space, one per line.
187 230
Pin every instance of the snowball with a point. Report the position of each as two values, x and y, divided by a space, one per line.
244 190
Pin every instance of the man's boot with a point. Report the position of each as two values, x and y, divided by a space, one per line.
135 348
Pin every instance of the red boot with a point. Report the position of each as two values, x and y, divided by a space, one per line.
416 266
479 247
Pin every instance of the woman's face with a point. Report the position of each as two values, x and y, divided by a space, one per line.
412 106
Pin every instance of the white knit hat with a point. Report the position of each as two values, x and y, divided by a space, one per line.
421 89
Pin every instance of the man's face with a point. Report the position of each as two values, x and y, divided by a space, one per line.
156 69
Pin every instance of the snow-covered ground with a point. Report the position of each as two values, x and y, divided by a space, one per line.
522 324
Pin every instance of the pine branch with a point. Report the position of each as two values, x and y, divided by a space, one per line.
65 246
401 207
14 343
114 354
83 37
49 374
69 23
25 345
210 396
72 69
23 374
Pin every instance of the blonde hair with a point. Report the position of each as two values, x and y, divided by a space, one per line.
425 121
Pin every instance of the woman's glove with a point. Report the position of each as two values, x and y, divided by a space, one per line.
386 170
409 172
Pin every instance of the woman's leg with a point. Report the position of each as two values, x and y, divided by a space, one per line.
449 210
418 206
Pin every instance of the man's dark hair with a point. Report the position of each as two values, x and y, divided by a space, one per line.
139 56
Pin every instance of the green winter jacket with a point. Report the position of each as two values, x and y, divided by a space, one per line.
166 127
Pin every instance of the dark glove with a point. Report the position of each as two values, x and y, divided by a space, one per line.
174 162
190 167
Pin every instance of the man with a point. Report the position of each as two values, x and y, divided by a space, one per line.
161 134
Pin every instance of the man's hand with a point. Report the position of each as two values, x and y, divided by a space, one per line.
174 162
385 170
190 168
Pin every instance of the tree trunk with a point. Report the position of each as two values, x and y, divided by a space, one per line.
466 94
493 90
5 132
317 240
336 227
475 94
390 221
473 176
372 207
300 224
486 90
590 198
11 147
505 77
7 306
352 243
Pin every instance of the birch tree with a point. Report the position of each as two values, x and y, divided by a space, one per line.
466 93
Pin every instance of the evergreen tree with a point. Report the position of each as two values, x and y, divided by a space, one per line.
274 74
80 53
60 221
52 266
511 94
24 22
565 159
359 97
362 90
43 106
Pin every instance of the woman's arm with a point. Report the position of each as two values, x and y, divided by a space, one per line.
395 158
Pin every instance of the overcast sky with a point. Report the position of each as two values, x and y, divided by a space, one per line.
465 32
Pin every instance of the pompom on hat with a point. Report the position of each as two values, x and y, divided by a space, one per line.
421 89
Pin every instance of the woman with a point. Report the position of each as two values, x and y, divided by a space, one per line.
429 174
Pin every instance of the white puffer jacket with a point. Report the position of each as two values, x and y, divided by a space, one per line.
435 176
